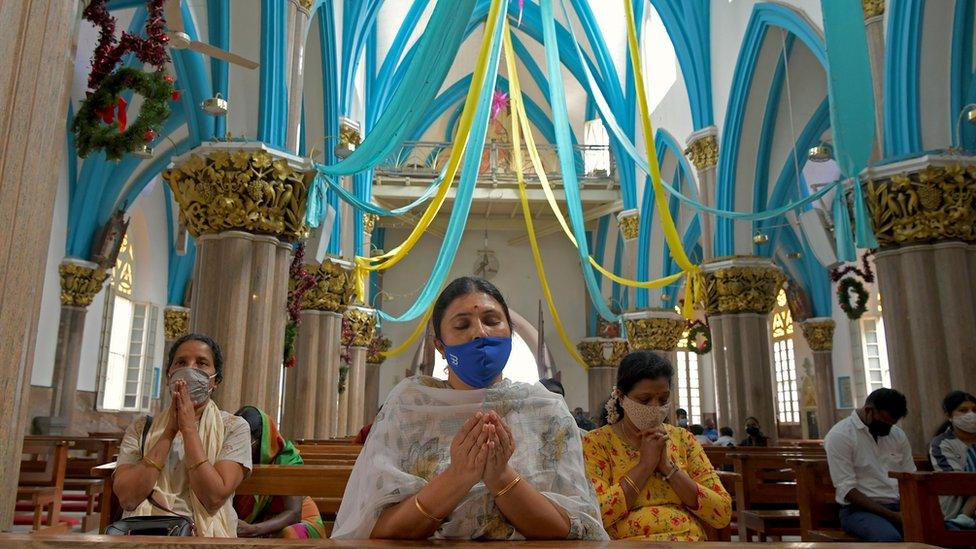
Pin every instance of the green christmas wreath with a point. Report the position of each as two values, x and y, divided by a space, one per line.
91 134
699 328
844 289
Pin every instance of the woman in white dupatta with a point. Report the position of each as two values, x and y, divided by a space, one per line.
475 457
194 455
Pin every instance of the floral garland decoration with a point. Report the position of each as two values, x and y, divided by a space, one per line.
300 282
377 346
695 329
105 104
853 283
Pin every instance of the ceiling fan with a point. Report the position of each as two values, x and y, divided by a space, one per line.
179 39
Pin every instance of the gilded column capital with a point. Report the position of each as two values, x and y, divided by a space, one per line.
703 151
819 333
80 282
743 284
176 322
369 222
378 346
923 201
226 187
654 329
358 326
601 352
333 289
873 8
629 222
307 4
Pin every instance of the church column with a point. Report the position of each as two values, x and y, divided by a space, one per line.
874 28
374 363
361 324
176 324
702 150
602 355
244 205
819 333
657 330
925 222
629 223
739 294
80 283
38 41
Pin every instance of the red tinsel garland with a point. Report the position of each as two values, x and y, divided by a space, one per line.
303 282
109 51
865 272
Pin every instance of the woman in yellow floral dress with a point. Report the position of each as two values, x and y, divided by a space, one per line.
653 480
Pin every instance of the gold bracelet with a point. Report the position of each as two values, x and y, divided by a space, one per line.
416 501
195 465
508 488
632 484
152 463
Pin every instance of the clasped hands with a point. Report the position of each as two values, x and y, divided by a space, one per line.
181 417
654 451
481 450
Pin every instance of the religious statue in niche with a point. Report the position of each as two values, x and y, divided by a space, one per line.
105 251
797 300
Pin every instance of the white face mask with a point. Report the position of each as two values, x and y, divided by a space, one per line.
644 416
965 422
197 383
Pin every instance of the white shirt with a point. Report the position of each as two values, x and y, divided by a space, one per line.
724 441
857 461
703 440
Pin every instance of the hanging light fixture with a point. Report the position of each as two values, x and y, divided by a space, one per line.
665 296
215 106
822 152
350 136
795 255
760 238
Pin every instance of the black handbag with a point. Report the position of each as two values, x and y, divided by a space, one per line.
176 525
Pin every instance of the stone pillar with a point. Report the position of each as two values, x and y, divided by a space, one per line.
245 205
702 150
924 218
361 324
330 341
301 398
629 223
37 41
602 355
819 333
374 362
874 28
657 330
720 377
739 295
80 283
176 324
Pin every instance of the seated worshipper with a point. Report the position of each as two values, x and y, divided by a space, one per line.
681 415
582 421
280 516
194 455
710 431
726 437
699 433
861 451
652 479
476 456
754 435
954 449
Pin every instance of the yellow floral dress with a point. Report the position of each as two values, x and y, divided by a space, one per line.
658 514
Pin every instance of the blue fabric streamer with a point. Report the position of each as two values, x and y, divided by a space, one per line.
369 207
557 98
842 227
465 190
436 50
315 205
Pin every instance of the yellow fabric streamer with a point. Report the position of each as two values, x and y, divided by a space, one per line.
366 264
418 329
526 214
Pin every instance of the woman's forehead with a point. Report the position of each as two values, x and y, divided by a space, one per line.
472 302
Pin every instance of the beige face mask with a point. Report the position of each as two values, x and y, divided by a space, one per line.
644 416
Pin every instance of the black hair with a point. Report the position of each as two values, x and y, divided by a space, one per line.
636 367
554 386
253 418
218 358
697 429
752 418
726 432
603 418
888 400
461 287
681 412
949 404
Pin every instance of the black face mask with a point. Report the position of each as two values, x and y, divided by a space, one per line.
752 431
879 428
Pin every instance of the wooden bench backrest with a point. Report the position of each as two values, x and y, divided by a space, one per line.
766 480
721 456
54 456
325 484
815 496
343 449
922 517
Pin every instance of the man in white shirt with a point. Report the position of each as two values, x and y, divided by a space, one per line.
861 451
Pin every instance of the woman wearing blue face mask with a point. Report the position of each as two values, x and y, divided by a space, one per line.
191 458
476 456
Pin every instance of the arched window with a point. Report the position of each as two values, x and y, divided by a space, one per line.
688 394
784 362
521 365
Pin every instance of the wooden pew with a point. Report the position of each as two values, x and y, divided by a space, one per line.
819 510
922 518
766 502
43 488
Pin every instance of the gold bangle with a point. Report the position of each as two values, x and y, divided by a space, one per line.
508 488
152 463
416 501
195 465
632 484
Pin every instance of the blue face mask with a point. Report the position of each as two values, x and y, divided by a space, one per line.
479 361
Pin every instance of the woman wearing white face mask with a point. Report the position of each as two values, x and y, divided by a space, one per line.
191 459
653 480
954 449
